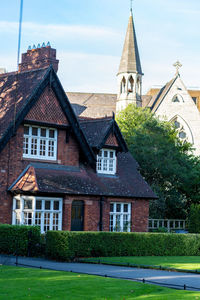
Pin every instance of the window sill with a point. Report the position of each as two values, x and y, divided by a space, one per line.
58 162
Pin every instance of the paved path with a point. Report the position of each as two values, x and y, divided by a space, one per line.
158 277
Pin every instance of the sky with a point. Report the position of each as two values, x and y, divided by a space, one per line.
89 37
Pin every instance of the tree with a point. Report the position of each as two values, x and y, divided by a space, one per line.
166 163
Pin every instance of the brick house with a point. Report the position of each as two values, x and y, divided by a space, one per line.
58 170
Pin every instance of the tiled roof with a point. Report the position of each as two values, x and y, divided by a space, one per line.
95 129
95 105
54 179
15 89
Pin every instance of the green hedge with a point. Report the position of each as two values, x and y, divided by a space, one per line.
21 240
194 219
64 245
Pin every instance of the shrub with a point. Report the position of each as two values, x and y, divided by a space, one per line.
194 219
66 246
21 240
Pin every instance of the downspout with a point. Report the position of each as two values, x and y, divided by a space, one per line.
102 199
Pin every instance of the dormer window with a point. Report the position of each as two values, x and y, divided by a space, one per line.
106 161
40 143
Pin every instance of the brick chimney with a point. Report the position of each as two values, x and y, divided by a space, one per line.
39 57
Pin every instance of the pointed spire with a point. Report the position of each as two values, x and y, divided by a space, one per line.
130 60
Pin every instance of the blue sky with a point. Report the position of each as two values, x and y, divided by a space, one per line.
89 36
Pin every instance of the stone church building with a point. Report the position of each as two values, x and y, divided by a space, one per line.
173 102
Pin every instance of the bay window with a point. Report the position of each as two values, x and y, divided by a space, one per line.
41 211
40 142
120 217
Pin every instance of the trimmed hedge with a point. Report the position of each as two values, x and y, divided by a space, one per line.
194 219
64 245
20 240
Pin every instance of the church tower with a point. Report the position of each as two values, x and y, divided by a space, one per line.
129 76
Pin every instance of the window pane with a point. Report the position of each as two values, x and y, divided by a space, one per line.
27 218
125 207
48 205
17 204
51 133
55 221
105 153
34 146
39 204
42 147
111 154
26 130
38 217
46 221
105 164
34 131
118 207
56 205
27 204
100 153
43 132
111 207
25 145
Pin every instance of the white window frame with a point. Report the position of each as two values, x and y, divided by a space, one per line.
103 162
20 212
28 143
117 219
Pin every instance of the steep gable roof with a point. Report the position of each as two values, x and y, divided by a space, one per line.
162 93
97 132
20 91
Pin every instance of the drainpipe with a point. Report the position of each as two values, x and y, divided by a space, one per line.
102 199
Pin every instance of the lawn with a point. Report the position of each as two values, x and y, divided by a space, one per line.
23 283
177 262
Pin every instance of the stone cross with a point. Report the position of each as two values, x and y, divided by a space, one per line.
131 4
177 65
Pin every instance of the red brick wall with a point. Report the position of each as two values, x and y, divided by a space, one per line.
139 213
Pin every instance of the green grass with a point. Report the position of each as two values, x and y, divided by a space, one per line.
177 262
23 283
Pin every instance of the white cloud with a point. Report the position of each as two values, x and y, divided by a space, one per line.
59 31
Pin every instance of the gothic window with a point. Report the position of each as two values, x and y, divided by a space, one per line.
180 130
123 86
130 84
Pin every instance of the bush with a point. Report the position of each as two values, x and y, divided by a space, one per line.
66 245
20 240
194 219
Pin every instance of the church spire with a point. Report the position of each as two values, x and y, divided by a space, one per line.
130 72
130 59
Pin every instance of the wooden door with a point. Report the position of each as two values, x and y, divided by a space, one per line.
77 216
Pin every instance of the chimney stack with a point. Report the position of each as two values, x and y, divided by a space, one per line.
39 57
2 70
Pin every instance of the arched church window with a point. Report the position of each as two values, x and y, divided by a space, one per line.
183 131
177 98
130 84
123 85
138 84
